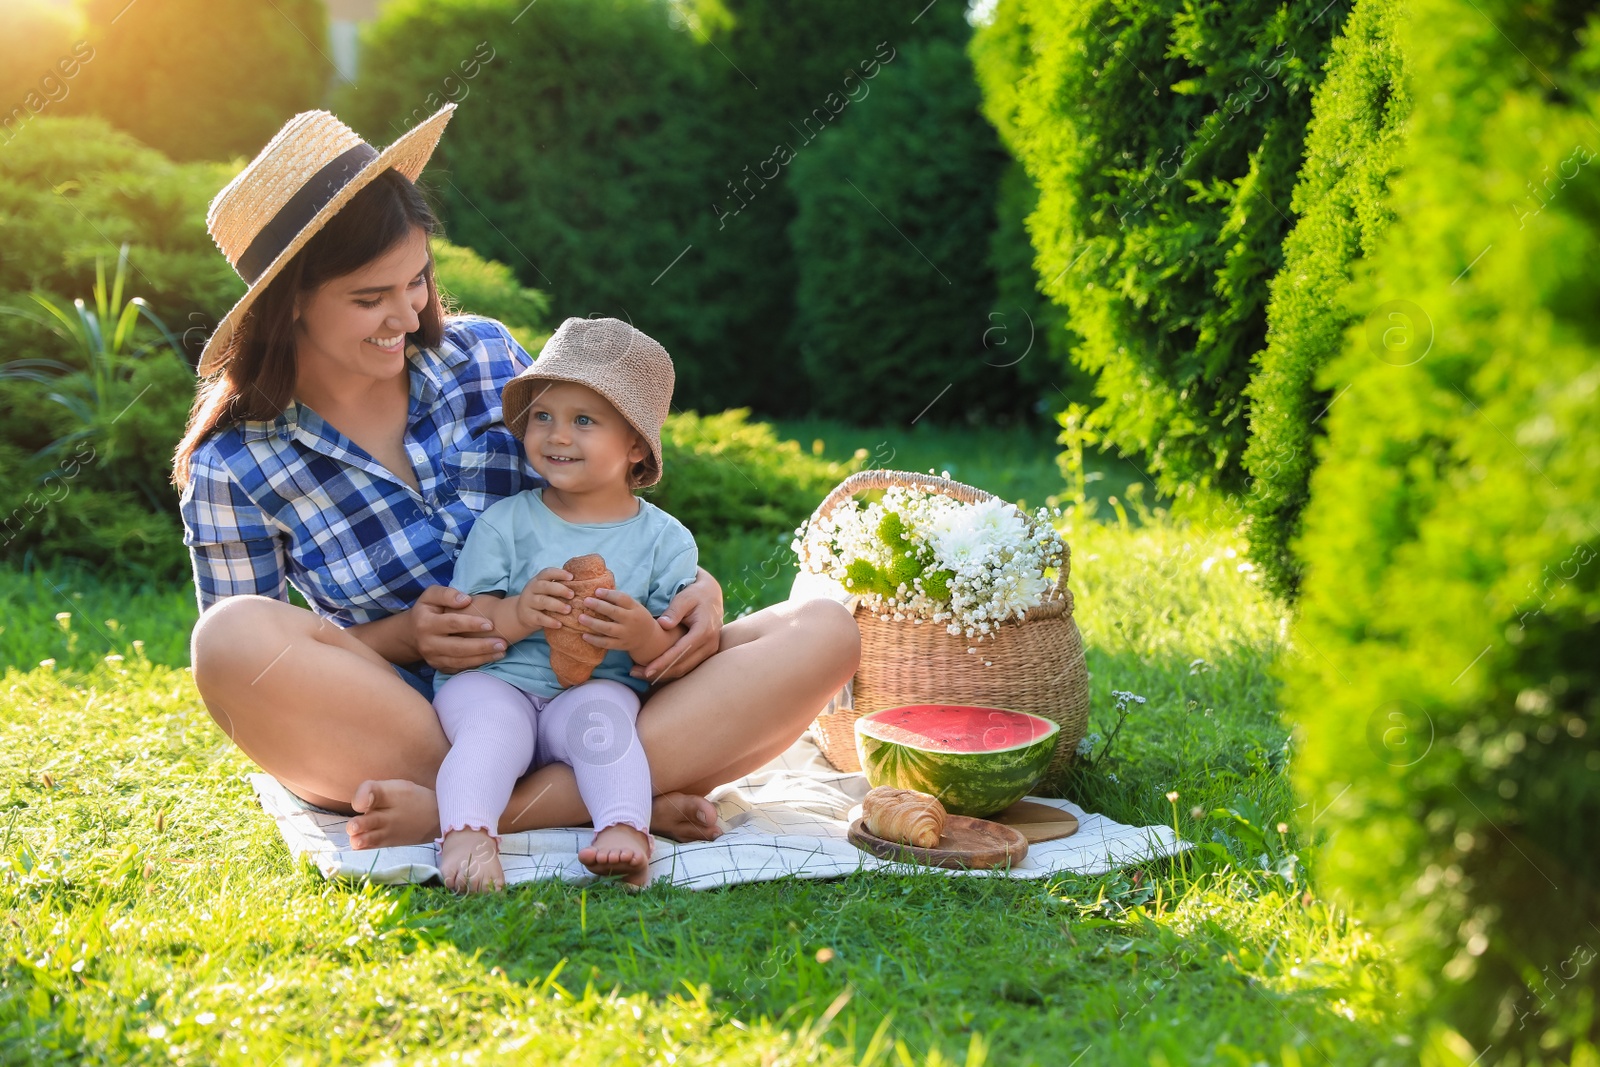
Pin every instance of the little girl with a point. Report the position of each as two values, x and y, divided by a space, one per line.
589 411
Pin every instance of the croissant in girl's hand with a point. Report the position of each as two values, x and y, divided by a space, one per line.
571 657
904 815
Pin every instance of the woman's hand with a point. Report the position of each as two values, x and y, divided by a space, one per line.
699 607
448 634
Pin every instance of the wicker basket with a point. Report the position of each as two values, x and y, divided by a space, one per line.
1036 663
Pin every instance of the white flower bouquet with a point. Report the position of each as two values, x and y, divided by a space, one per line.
926 557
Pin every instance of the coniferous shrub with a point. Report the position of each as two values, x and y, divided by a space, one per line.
1447 699
1341 204
1164 138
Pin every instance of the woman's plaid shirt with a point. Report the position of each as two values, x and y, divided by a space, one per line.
294 500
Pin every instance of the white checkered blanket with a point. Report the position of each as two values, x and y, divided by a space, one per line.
787 819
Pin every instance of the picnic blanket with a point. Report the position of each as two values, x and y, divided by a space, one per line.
789 818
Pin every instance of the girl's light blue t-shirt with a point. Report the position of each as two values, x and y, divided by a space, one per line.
652 555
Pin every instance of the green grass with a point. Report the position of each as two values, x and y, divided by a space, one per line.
154 915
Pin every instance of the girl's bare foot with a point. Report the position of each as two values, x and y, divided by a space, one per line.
469 861
394 811
684 817
619 849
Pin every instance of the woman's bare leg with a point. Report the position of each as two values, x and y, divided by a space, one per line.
258 662
324 714
316 708
772 672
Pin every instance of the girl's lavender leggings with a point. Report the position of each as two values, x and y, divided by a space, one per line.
498 731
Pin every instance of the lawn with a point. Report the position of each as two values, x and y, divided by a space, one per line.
154 914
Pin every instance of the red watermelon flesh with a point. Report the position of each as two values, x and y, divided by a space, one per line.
976 760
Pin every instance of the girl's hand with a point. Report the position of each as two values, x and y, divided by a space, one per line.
545 600
445 633
699 607
619 621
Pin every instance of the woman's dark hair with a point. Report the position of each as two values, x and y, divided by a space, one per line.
258 373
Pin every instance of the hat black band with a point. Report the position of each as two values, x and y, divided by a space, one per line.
302 207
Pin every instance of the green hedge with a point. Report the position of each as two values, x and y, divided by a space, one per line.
891 303
1448 693
788 78
1164 137
1341 201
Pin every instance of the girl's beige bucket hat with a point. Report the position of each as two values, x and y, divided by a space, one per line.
305 174
626 366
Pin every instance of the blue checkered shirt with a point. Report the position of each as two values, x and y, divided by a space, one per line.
294 500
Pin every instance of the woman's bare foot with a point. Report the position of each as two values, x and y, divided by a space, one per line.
619 849
469 862
394 811
684 817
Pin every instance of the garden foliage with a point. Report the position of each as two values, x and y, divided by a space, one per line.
891 206
637 159
1342 212
1164 137
1447 697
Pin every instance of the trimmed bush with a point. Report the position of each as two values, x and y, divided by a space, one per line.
73 190
892 303
470 283
1341 200
1447 702
1026 319
1164 138
203 79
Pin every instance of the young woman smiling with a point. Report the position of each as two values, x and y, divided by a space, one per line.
345 435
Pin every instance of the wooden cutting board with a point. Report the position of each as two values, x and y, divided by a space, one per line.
1038 822
967 843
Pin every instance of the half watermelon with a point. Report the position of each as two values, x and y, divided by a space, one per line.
976 760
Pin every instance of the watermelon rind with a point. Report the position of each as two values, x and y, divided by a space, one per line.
978 784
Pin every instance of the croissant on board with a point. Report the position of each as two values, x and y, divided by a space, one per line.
571 657
904 815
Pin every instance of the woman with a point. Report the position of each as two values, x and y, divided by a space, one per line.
344 437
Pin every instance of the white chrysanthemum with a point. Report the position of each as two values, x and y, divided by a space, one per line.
997 556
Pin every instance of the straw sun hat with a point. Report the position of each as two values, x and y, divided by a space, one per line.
626 366
307 172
